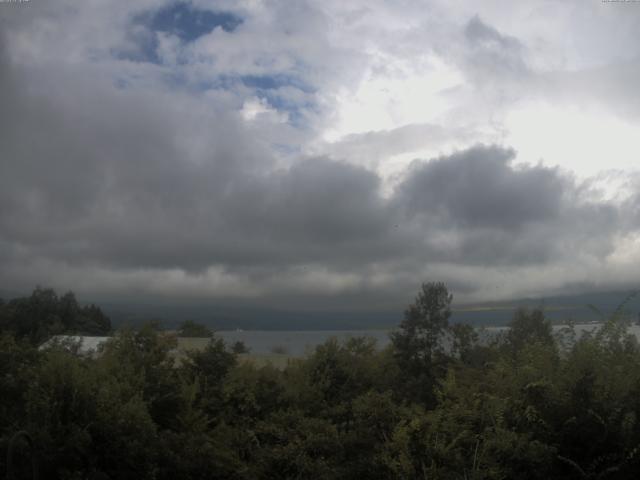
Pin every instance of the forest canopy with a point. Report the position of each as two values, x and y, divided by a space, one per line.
436 403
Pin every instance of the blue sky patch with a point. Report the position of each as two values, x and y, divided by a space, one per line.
265 82
273 82
297 111
188 23
180 19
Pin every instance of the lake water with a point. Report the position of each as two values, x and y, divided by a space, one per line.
299 343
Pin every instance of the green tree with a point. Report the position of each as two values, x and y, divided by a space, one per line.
295 446
464 342
84 419
529 327
145 358
419 342
239 347
44 313
209 367
189 328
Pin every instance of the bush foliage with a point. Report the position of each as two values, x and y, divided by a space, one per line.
435 404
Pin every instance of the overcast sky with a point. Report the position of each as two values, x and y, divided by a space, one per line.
337 152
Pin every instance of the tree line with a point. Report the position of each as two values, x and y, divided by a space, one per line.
435 404
44 313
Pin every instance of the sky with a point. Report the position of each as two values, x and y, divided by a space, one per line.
319 154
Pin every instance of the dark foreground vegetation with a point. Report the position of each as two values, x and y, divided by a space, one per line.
434 405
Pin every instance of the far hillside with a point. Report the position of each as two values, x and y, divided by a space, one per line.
558 309
580 308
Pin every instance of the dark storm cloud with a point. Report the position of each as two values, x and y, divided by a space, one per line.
479 188
318 200
109 177
318 210
96 178
492 212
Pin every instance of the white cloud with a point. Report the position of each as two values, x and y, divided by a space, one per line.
248 154
586 141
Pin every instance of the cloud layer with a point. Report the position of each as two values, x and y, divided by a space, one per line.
215 151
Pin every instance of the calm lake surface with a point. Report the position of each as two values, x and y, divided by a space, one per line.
299 343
